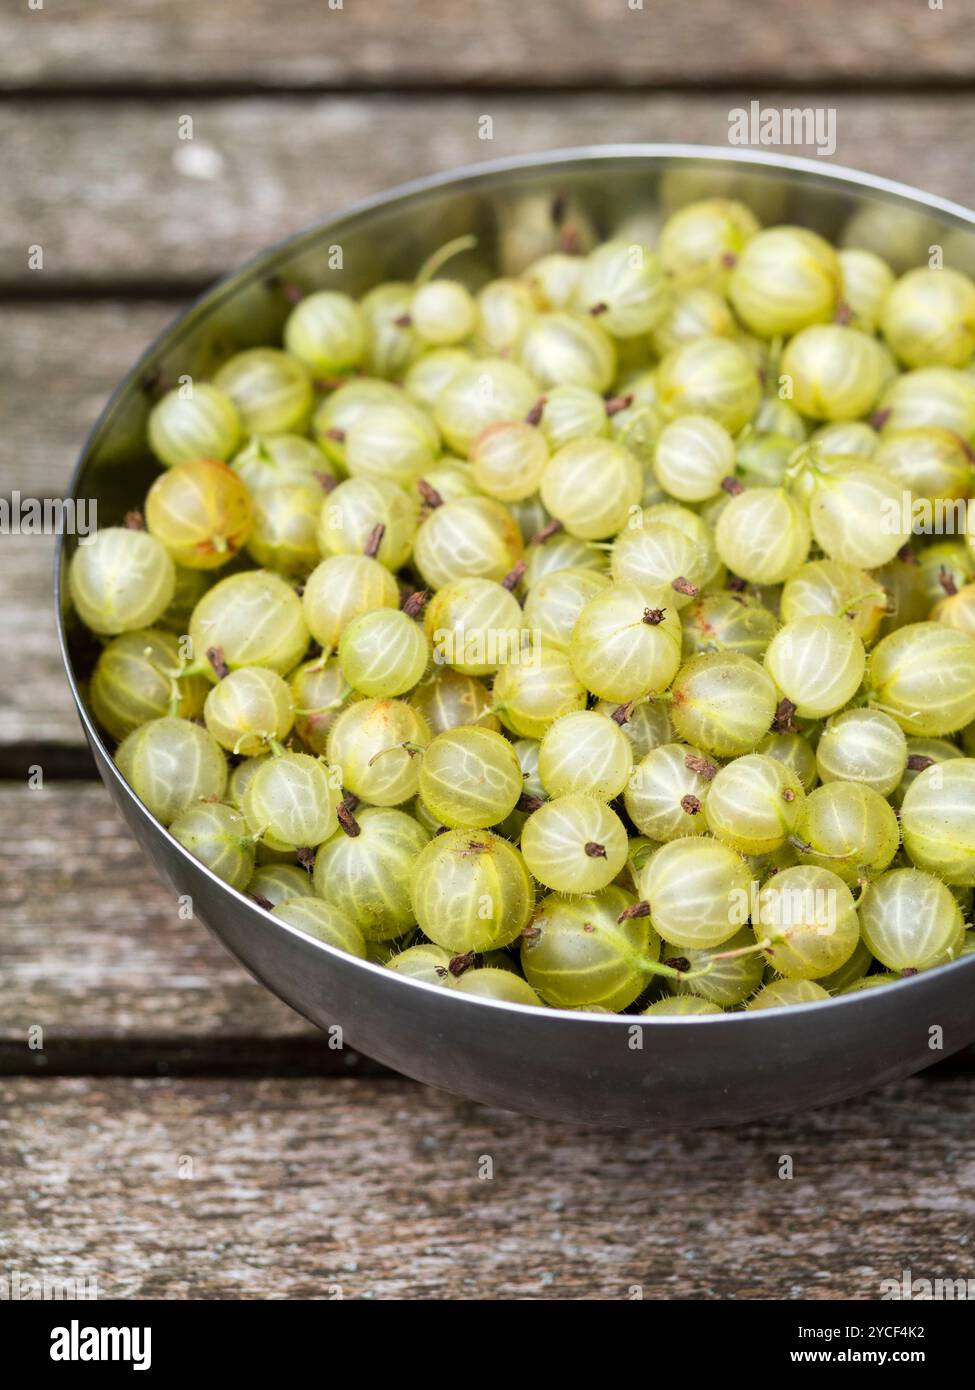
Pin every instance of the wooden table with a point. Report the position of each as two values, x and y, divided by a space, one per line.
179 1132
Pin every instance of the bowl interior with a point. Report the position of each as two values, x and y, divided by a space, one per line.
517 210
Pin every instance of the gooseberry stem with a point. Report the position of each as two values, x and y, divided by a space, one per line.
332 704
649 967
803 460
442 255
766 945
845 609
175 695
411 749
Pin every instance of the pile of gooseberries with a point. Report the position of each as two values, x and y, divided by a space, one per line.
563 636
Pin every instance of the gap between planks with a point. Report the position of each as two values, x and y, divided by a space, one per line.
112 195
71 1053
757 83
327 47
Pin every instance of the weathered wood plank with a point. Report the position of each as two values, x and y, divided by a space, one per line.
365 1189
35 706
60 364
93 946
317 44
114 197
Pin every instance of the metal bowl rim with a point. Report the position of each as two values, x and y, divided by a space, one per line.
830 174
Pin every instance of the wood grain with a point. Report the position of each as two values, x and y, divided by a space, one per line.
35 704
371 1190
60 362
116 200
94 950
313 43
368 1188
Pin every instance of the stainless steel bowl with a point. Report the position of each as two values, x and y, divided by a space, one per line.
599 1069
